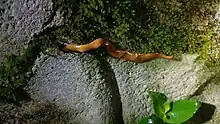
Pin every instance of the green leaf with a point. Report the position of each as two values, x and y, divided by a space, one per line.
166 106
159 103
181 111
153 119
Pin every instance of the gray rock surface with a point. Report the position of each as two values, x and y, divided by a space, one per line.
19 20
217 16
176 79
210 92
34 112
210 95
79 84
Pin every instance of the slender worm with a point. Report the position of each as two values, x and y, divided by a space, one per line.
120 54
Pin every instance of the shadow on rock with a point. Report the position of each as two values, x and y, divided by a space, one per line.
21 95
33 112
109 76
203 115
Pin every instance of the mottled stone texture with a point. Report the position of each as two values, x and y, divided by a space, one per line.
210 92
217 16
176 79
88 86
19 20
34 112
91 89
210 95
81 85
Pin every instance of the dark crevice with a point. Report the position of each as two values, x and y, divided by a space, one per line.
112 84
200 89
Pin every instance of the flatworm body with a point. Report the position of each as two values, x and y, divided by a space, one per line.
110 48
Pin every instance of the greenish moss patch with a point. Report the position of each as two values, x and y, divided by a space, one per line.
14 74
169 27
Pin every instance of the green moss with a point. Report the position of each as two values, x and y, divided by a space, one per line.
14 74
16 71
154 26
210 52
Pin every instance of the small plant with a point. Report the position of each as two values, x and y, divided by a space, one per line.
170 112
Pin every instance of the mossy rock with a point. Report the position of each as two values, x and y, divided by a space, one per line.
171 27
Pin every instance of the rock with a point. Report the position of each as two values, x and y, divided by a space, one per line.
210 96
19 21
78 84
32 112
209 93
176 79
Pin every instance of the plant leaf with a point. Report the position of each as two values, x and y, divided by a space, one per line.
181 111
159 100
166 106
153 119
